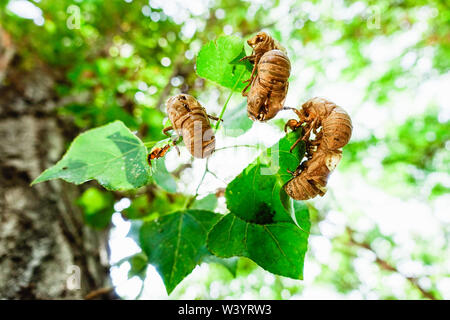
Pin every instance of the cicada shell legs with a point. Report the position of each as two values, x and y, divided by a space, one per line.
174 141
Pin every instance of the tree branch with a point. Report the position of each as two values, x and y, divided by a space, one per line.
385 265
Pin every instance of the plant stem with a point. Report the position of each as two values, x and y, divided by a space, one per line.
228 99
149 143
238 146
191 200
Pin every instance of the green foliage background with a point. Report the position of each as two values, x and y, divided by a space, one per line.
127 57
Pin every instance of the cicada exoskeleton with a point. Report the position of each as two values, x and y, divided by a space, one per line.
190 120
332 127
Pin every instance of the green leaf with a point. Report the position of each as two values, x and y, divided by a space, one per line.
281 159
98 207
138 209
176 243
236 121
214 62
230 264
162 177
253 196
245 62
110 154
153 118
279 248
206 203
301 214
138 263
148 207
265 225
438 190
257 195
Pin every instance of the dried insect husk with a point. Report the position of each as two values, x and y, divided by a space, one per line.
190 120
269 88
334 120
299 188
262 42
335 132
337 128
312 181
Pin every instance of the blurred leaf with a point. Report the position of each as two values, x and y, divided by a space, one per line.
111 154
138 264
214 62
206 203
176 243
98 207
138 209
438 190
150 206
162 177
154 120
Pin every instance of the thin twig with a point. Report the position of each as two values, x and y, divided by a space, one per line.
203 178
141 291
237 146
191 200
228 99
215 175
97 293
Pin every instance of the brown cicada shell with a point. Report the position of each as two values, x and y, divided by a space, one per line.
269 78
312 180
332 127
190 120
269 88
261 43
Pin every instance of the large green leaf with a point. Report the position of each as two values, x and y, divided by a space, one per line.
216 61
265 225
176 243
110 154
277 247
257 194
255 197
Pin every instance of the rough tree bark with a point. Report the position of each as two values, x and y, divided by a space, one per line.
45 248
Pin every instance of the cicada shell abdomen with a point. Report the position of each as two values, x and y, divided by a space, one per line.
299 188
269 89
334 121
337 128
313 179
190 120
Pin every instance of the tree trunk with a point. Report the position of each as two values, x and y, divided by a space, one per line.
46 251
